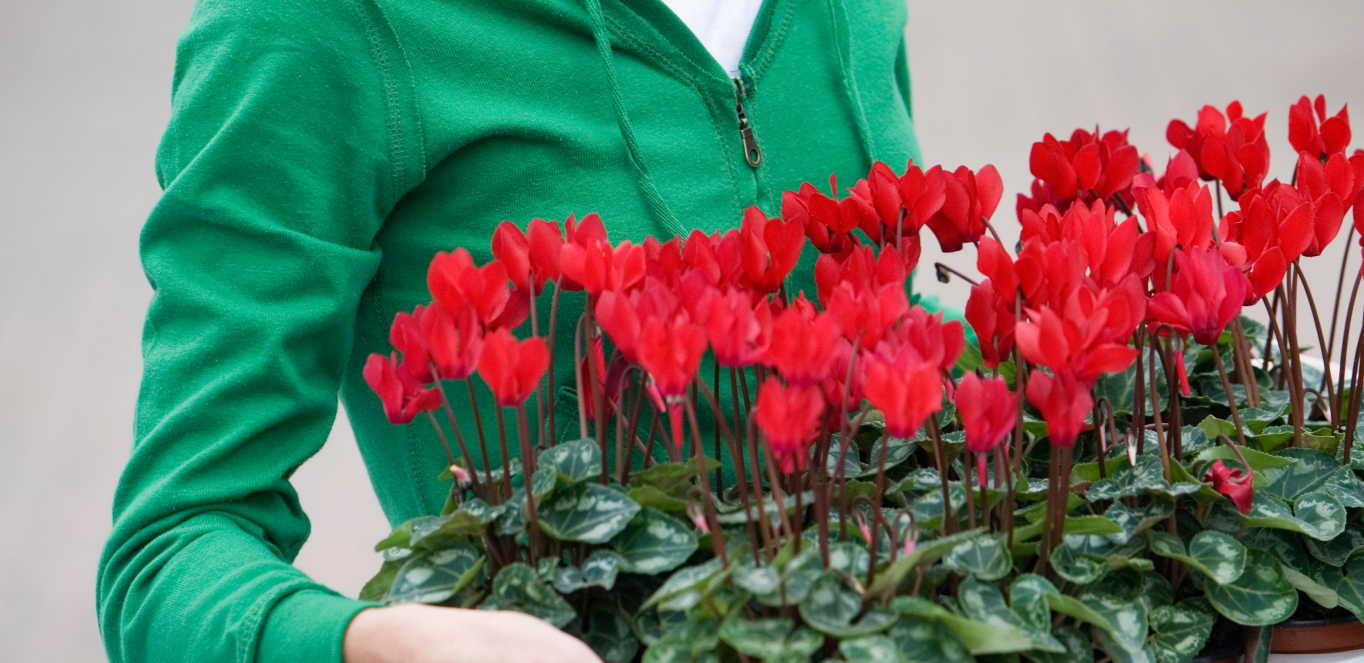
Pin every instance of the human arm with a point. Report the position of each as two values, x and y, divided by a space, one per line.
426 634
278 167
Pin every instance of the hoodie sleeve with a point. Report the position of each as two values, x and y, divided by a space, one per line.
287 146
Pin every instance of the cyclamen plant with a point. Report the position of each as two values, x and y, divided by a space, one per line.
896 493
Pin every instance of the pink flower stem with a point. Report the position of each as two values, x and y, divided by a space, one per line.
736 456
717 535
598 407
478 423
1352 415
949 520
774 483
764 527
1321 343
1345 336
459 437
578 377
528 465
1231 400
551 433
506 454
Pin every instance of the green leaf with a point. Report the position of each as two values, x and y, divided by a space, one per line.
543 482
1216 554
1273 437
609 634
377 587
665 476
650 496
970 358
517 587
1260 597
897 450
1318 515
1324 596
1079 568
1130 480
433 576
1348 582
929 640
1212 427
685 642
1259 461
1338 550
686 579
574 461
1179 632
654 542
987 558
984 603
1311 472
750 577
761 638
1134 521
1128 619
927 508
830 608
1079 649
598 570
926 552
586 512
1028 598
869 648
402 535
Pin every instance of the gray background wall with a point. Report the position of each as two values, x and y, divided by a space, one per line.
84 91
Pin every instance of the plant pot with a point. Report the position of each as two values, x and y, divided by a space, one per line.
1318 636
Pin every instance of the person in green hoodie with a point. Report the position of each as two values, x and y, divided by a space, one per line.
318 155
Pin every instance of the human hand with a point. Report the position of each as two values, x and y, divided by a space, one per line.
413 633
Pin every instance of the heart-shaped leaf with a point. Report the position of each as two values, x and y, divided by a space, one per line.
922 639
830 608
1316 514
986 557
518 587
1338 550
1216 554
609 634
575 461
1260 597
586 512
1079 648
897 450
654 542
598 570
1127 618
1135 520
1179 632
984 603
432 576
1080 568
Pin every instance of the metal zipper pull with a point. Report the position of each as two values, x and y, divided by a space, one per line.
752 154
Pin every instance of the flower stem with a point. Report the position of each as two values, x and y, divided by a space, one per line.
506 453
1345 337
949 521
717 535
459 437
1231 398
478 423
528 464
552 433
578 376
1326 357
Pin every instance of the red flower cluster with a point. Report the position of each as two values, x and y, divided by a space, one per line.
1236 155
1087 168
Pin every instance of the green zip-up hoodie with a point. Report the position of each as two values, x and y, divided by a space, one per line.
318 155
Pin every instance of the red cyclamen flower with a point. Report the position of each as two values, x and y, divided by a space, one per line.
906 389
1064 403
402 394
788 416
1303 132
770 249
512 368
671 352
1233 483
970 201
1205 297
453 341
988 412
454 280
802 346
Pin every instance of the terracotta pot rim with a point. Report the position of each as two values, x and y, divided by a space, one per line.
1326 637
1331 621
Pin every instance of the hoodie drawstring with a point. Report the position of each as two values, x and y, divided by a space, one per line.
657 206
844 49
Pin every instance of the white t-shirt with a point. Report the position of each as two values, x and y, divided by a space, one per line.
722 26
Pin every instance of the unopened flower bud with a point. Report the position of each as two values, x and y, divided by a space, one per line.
461 475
